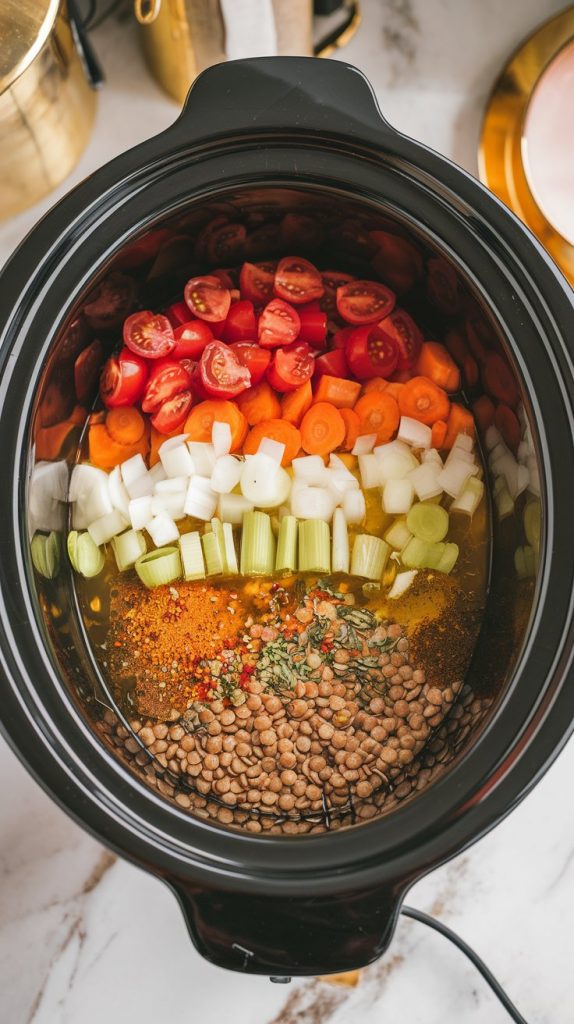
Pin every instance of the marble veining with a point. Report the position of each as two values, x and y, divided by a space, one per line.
85 937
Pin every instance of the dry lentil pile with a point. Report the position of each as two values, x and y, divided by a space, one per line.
316 707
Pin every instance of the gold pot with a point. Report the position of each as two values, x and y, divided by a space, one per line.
181 38
47 106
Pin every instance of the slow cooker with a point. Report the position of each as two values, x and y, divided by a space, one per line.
265 143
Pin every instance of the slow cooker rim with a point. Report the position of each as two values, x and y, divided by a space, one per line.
418 149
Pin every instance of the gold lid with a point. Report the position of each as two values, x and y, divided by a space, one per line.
24 27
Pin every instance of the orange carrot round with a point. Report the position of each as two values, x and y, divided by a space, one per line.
277 430
259 403
375 384
125 424
438 433
322 429
508 424
352 427
460 421
436 363
339 391
424 401
199 423
107 453
295 403
378 414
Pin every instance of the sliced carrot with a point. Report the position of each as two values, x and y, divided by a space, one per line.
509 425
438 434
276 430
375 384
424 401
460 421
498 379
436 363
199 423
259 403
78 415
483 410
107 453
394 389
352 427
378 414
125 424
97 417
338 391
295 403
322 429
156 441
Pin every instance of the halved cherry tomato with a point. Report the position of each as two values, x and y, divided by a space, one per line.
297 280
222 375
226 244
313 325
256 281
241 323
279 324
205 234
87 370
166 380
123 379
334 363
442 286
364 302
228 278
397 260
255 358
371 353
191 339
110 302
207 298
291 367
196 382
172 413
333 279
177 314
339 339
149 334
401 328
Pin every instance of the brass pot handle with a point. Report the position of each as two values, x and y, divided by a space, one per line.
341 35
146 11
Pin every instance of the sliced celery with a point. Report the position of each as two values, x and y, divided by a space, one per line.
428 522
212 554
502 499
231 565
314 546
257 545
419 554
340 558
217 529
398 535
370 555
287 545
192 556
158 567
448 559
45 551
532 523
127 547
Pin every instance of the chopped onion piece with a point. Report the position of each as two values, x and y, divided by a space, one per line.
340 551
401 583
95 502
172 485
119 497
140 512
200 500
398 496
370 470
354 506
415 433
226 474
221 438
82 481
140 487
162 530
103 529
364 444
128 547
425 480
170 502
203 455
47 493
523 451
453 479
274 449
534 477
339 483
263 482
157 473
460 455
463 442
502 500
176 458
132 469
469 500
312 503
310 469
232 507
432 456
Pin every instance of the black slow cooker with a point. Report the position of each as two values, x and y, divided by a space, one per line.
296 146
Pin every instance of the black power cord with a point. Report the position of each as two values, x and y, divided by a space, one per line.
418 915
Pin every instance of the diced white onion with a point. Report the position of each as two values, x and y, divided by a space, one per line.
364 444
398 496
395 465
340 555
157 473
171 485
226 474
515 474
470 499
460 454
176 458
162 530
274 449
432 456
453 479
310 469
200 500
128 547
132 469
172 503
335 462
370 470
103 529
425 480
354 506
221 438
463 442
83 480
232 507
415 433
339 483
119 497
203 455
264 482
401 583
534 476
140 512
202 483
312 503
140 487
93 493
492 437
47 493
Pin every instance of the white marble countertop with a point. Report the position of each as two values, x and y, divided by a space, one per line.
86 938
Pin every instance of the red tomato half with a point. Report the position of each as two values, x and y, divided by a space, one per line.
177 314
401 328
339 339
333 279
172 413
291 367
222 375
228 278
166 380
191 339
207 298
256 281
333 363
149 334
255 358
313 325
123 379
371 353
279 324
87 370
364 302
226 244
297 280
241 323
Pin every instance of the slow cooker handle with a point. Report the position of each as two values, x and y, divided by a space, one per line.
276 94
